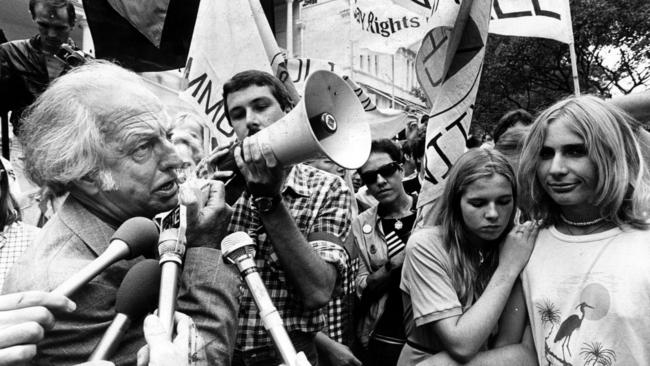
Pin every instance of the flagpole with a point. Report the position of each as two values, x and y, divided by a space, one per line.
574 70
572 54
350 17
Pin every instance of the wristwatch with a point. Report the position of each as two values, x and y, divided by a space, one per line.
266 204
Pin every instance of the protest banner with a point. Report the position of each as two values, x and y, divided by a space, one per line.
449 63
144 36
524 18
223 29
532 18
381 26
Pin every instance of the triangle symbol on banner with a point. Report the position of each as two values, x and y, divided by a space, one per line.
424 3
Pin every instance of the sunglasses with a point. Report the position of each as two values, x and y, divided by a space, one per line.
386 171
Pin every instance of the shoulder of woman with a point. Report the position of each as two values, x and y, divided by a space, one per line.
426 240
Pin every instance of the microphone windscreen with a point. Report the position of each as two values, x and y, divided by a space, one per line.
236 244
139 233
168 243
138 293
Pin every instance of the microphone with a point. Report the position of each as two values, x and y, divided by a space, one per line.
133 238
135 298
171 247
239 249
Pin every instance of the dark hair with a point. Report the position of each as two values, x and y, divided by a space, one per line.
9 209
510 119
387 146
472 142
415 147
72 15
244 79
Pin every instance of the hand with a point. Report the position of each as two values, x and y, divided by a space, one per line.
187 347
207 168
264 175
518 246
206 224
340 355
24 318
398 259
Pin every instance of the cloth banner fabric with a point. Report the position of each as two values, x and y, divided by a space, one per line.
524 18
532 18
147 16
450 60
222 30
381 26
144 36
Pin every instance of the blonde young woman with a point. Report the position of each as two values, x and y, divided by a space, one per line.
458 274
587 284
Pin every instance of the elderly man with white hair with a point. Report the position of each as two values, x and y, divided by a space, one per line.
100 135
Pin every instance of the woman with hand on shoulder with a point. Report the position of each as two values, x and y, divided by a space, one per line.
587 284
458 275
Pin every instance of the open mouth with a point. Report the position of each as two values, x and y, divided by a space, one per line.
168 188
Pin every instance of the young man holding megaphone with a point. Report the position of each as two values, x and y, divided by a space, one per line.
297 215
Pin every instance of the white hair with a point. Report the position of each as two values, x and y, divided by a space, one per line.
70 132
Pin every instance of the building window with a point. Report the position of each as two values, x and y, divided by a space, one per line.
361 62
376 65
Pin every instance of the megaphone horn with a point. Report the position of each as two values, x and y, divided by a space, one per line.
329 120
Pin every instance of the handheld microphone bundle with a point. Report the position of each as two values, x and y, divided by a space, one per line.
133 238
238 248
171 248
135 298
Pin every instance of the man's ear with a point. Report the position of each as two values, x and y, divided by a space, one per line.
88 185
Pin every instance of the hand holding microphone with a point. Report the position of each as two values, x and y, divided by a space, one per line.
133 238
187 347
207 221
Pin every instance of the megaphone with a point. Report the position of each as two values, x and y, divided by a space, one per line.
329 120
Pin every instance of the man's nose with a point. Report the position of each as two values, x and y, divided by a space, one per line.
252 121
169 158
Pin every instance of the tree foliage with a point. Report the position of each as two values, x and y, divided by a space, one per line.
612 43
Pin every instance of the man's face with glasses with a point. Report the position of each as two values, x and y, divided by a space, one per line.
383 177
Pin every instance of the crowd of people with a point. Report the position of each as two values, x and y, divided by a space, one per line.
535 254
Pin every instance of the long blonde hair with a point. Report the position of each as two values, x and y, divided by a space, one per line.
470 275
622 192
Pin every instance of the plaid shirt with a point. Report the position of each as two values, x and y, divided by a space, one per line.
318 202
14 239
339 323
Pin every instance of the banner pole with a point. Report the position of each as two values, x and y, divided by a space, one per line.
351 19
574 70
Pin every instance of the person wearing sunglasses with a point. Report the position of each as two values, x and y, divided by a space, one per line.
381 233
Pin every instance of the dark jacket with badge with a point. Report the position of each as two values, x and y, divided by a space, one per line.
23 76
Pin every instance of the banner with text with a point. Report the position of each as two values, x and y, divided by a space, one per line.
381 26
223 29
448 66
524 18
532 18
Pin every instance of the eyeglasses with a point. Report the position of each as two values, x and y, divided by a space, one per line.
386 171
